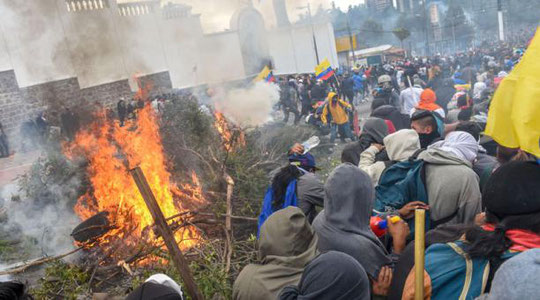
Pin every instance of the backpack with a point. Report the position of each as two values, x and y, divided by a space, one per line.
454 275
267 209
404 182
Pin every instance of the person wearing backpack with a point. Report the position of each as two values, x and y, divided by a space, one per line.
338 109
440 177
464 268
400 146
295 184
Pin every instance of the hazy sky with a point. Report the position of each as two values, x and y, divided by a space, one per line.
216 14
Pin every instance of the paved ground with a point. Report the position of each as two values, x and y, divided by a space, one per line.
15 165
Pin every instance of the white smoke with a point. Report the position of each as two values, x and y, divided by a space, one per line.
43 229
251 106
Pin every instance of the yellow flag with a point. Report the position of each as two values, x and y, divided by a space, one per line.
514 114
266 75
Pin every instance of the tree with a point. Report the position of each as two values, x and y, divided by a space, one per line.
371 31
402 34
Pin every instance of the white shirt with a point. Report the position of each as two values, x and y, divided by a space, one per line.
409 98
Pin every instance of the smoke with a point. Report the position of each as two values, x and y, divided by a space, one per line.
250 106
39 210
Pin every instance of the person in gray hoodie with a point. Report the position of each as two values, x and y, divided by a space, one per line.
343 225
452 185
400 146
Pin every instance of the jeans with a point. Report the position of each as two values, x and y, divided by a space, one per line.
344 132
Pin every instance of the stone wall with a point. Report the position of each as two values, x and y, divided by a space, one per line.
20 104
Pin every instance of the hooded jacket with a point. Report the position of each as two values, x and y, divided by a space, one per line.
337 109
452 186
399 146
343 225
287 244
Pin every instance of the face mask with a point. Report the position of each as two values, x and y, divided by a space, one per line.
428 139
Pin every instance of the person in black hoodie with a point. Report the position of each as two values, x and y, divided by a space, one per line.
373 132
444 93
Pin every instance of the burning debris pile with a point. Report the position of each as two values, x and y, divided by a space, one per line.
116 213
179 151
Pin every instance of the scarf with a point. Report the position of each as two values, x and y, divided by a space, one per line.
522 240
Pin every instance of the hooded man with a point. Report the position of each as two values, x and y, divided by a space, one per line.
287 244
338 109
387 95
452 186
400 146
428 100
373 132
445 93
343 225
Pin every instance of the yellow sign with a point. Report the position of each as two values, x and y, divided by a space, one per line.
344 43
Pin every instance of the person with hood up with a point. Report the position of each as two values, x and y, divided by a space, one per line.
509 226
287 244
427 102
331 276
400 146
338 109
373 132
445 93
520 271
452 186
392 117
343 225
157 286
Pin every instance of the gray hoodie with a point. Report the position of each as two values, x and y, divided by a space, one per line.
343 225
452 186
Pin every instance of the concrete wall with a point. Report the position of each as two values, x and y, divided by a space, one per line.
293 51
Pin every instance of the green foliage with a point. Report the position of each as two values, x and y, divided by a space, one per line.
401 33
62 281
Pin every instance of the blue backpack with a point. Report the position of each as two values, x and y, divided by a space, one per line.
454 275
401 183
267 209
404 182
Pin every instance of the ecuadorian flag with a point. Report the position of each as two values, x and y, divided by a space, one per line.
324 70
514 113
265 75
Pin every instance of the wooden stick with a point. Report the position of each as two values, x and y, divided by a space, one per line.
419 254
228 222
36 262
168 237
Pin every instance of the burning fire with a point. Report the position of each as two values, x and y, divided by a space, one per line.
112 151
230 135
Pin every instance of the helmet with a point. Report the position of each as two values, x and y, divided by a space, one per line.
384 79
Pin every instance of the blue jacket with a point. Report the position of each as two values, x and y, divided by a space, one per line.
358 82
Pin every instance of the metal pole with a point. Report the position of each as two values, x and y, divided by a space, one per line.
501 20
313 33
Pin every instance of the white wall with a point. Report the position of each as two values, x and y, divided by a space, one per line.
35 40
42 41
293 51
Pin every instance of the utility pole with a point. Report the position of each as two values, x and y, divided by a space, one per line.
313 33
426 26
351 42
501 20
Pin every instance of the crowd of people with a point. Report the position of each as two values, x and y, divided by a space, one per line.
422 147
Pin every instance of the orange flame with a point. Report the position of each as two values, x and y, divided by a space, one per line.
230 135
112 151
